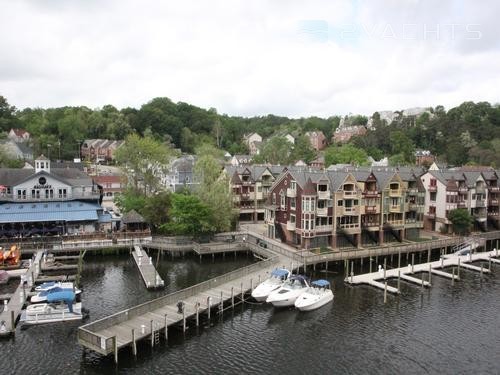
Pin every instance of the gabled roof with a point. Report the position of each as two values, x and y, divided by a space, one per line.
132 217
19 132
309 188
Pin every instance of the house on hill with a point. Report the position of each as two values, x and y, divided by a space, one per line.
19 135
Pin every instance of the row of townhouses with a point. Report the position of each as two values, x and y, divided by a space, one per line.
348 207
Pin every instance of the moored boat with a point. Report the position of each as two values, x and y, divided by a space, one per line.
273 282
52 284
10 258
317 295
60 306
44 295
289 291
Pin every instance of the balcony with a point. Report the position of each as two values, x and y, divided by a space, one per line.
412 191
395 208
432 188
267 182
322 211
494 189
493 202
371 210
371 193
371 225
431 215
395 192
290 226
480 190
291 193
236 198
493 214
349 228
395 223
324 194
324 228
350 211
412 207
461 204
350 193
480 203
54 197
463 189
247 182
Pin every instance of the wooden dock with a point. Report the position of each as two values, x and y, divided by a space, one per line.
150 319
13 307
379 278
148 271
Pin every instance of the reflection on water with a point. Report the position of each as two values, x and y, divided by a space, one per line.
445 329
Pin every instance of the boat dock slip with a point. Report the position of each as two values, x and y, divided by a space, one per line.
123 329
452 260
148 271
13 307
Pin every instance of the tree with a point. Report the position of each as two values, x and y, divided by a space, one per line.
275 151
144 160
7 115
345 154
302 150
130 200
214 188
156 209
189 216
461 220
402 145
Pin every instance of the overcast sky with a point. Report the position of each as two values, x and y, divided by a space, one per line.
251 57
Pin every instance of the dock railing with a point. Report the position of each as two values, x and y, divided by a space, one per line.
87 333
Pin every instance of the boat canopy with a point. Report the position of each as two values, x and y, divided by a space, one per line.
48 284
64 295
280 272
321 283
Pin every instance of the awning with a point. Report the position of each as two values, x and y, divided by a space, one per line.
48 211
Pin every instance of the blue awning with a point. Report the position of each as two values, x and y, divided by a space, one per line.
48 211
65 295
280 272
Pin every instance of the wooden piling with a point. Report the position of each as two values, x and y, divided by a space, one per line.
115 349
422 284
385 266
453 276
166 328
412 261
208 307
152 333
184 319
399 258
458 268
197 306
429 255
134 344
242 294
481 272
385 292
399 281
232 297
370 261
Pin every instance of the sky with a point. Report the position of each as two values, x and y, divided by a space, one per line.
285 57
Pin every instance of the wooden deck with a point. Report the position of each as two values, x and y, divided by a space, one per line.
148 271
436 268
17 300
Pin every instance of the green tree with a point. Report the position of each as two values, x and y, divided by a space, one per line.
156 209
144 161
461 220
402 145
302 150
214 188
7 115
345 154
130 200
275 151
189 216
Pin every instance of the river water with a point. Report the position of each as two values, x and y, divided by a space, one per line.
446 329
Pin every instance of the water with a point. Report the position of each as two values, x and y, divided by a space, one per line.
447 329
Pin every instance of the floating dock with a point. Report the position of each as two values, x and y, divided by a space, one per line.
378 279
13 307
148 271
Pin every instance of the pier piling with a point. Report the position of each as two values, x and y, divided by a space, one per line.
152 333
385 292
453 276
166 328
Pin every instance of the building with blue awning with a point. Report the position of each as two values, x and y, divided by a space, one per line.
49 201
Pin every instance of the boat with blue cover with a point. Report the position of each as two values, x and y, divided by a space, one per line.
60 306
289 291
317 295
52 284
273 282
43 295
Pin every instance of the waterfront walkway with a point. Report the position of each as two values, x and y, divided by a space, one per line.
148 271
13 308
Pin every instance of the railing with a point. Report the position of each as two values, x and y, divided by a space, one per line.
493 202
350 211
89 336
480 203
350 193
322 211
371 193
432 188
395 222
463 189
54 197
324 228
291 193
371 209
290 226
412 191
431 215
494 188
461 205
395 192
324 194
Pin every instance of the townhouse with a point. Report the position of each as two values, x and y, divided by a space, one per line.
474 189
250 188
348 207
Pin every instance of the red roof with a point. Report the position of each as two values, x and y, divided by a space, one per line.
19 132
107 179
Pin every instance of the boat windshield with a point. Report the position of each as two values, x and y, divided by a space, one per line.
294 284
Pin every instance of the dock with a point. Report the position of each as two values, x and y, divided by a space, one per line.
152 319
13 307
148 271
379 278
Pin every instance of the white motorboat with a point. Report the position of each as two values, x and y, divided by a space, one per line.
289 291
272 283
42 296
52 284
317 295
60 307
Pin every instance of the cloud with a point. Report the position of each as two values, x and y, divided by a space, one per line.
290 58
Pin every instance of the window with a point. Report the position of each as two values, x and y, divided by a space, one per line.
293 185
292 203
282 201
433 196
340 203
292 219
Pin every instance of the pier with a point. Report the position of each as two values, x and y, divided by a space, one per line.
150 319
148 271
12 308
379 278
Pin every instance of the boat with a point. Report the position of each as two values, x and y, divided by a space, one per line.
10 258
60 307
289 291
317 295
43 295
52 284
273 282
4 277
